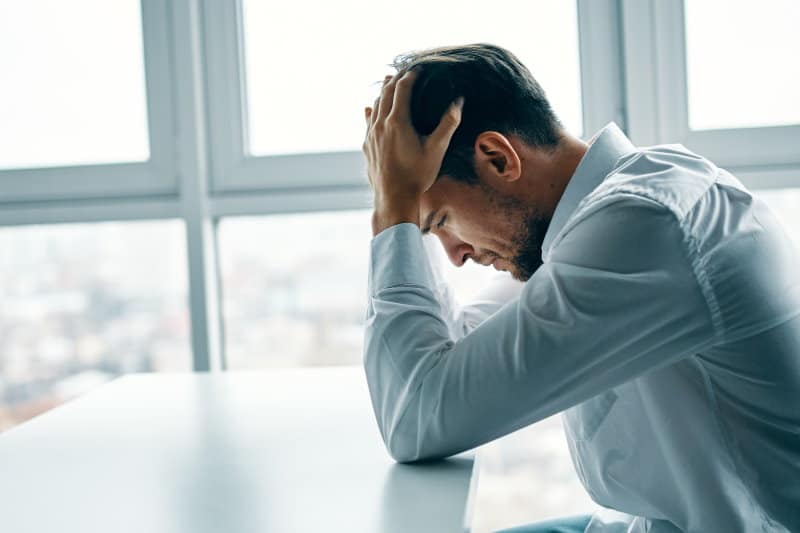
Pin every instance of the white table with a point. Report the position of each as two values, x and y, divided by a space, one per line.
274 451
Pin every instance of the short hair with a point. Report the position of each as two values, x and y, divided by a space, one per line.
500 94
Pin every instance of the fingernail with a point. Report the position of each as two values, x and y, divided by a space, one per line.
459 102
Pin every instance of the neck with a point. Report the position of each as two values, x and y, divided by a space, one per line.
558 168
568 156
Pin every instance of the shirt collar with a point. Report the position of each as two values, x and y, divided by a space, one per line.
605 149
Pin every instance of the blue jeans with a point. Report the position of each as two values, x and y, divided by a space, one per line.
569 524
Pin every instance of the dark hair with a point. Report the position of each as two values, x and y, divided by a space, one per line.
500 94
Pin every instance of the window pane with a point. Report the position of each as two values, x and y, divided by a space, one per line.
84 303
527 477
785 203
295 288
73 87
742 67
312 65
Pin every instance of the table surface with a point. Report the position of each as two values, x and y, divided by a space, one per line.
283 450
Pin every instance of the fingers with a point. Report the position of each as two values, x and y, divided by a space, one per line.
376 105
447 125
386 99
401 106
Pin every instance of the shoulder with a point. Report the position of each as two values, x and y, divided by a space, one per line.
670 175
621 228
646 197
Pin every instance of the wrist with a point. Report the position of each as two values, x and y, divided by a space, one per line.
394 211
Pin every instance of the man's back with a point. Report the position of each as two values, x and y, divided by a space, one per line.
714 436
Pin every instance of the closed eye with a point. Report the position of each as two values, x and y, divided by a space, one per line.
441 222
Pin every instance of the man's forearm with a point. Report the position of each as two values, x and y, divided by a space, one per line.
398 353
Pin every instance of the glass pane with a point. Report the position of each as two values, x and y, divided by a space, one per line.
73 89
312 65
299 297
785 203
742 66
294 288
83 303
528 477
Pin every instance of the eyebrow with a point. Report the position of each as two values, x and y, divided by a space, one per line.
426 228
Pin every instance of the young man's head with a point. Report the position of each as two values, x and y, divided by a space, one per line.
507 164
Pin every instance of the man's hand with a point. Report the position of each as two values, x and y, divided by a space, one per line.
401 165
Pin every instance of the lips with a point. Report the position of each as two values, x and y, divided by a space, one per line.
492 263
500 264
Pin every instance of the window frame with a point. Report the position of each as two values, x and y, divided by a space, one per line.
199 171
655 51
156 176
234 170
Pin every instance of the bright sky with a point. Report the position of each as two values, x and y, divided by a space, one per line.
73 89
742 62
312 64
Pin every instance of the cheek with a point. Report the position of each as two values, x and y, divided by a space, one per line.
485 238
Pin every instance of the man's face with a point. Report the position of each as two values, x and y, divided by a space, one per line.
488 226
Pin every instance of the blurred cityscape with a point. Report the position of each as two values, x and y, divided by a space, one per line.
294 288
308 307
83 303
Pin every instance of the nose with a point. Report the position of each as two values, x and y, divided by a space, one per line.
457 250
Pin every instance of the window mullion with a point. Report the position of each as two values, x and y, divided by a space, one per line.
192 154
641 81
602 84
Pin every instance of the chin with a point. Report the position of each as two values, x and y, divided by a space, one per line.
521 273
517 276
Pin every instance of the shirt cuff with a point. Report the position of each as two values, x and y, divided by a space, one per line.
397 257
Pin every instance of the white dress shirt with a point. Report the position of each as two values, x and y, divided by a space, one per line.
664 323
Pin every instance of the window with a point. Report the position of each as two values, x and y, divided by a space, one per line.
742 69
785 203
309 68
719 77
83 303
294 288
103 114
73 88
308 79
527 477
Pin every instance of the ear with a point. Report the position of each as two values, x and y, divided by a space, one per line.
496 157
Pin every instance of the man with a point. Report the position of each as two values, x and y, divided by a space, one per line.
660 309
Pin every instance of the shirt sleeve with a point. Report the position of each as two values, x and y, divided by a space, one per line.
618 297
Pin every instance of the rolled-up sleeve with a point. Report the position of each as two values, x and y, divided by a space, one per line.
617 297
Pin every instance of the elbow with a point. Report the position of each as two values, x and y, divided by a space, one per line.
405 456
401 456
410 449
402 446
